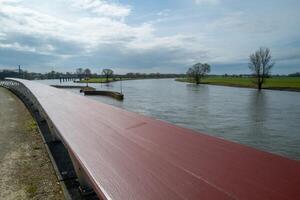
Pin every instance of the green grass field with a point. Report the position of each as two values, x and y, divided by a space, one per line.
279 83
103 80
99 80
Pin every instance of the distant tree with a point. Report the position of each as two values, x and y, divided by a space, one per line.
9 73
198 71
79 72
130 75
87 73
52 74
261 64
107 73
297 74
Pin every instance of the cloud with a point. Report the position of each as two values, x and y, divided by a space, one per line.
11 57
102 8
207 2
164 13
95 33
88 31
121 56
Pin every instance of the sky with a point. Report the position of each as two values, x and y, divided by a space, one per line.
165 36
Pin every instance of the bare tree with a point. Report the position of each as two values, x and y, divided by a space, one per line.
261 64
87 73
107 73
198 71
79 72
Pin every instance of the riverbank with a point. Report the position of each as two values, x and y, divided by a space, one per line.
101 80
274 83
26 170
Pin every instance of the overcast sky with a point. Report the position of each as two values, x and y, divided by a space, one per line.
164 36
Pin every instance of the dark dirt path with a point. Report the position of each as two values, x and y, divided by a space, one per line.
26 171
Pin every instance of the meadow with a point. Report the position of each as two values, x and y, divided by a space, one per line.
278 83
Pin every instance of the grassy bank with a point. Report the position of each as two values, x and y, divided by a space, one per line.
97 80
276 83
102 80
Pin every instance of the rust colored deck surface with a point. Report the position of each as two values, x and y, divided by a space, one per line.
130 156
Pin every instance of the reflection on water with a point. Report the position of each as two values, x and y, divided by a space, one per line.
267 120
257 109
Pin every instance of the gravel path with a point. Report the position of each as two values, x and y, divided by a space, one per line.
26 171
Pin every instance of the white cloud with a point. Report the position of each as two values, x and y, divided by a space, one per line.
207 2
102 8
164 13
92 32
16 46
87 30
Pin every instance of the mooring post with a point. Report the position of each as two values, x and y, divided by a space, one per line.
20 71
121 85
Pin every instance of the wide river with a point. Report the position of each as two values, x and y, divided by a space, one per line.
267 120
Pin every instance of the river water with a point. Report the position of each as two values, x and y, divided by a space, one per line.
267 120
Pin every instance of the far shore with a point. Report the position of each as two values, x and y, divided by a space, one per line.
282 83
99 80
103 80
274 83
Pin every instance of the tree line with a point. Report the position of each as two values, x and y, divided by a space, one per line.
82 73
